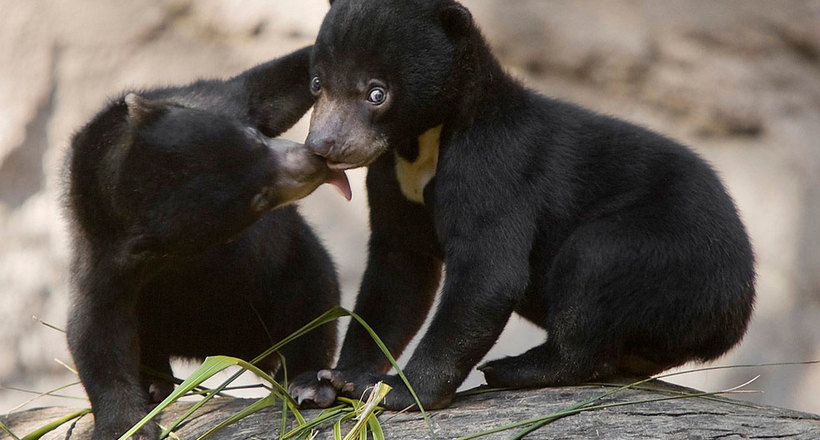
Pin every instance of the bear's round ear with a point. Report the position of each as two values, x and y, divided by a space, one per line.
139 108
455 18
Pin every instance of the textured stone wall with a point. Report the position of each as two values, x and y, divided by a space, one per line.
738 80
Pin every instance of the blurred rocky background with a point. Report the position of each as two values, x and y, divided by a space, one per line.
739 80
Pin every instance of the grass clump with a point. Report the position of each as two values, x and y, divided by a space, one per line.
362 414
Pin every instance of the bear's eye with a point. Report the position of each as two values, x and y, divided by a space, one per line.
377 95
315 84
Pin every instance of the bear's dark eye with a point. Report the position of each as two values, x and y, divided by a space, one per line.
377 95
315 84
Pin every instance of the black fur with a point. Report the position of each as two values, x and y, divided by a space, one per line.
621 243
176 251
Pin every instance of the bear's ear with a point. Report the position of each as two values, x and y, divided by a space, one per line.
139 108
455 18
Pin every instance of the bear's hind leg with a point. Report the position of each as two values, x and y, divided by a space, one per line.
584 314
571 355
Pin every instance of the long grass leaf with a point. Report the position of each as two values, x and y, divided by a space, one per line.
366 411
331 315
6 429
395 365
336 313
258 405
375 428
634 385
337 429
47 393
325 416
215 364
579 408
210 366
327 317
283 422
55 424
209 394
227 361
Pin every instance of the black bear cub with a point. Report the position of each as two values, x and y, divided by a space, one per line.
621 243
177 248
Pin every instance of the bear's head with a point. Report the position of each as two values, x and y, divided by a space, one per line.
384 71
156 177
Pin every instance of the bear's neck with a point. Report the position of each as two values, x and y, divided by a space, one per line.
481 83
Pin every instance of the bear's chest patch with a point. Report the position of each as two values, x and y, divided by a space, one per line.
414 176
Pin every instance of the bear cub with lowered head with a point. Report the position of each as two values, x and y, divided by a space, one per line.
621 243
182 243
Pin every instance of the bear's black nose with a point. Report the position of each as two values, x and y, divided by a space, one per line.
320 144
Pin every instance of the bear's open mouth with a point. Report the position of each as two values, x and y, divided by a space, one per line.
299 171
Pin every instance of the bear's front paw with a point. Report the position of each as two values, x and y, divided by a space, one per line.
358 385
310 391
350 383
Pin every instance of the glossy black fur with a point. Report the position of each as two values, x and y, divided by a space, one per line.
170 259
621 243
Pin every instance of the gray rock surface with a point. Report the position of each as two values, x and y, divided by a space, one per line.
695 418
738 80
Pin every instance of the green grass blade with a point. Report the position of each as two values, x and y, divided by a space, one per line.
325 318
283 422
210 366
635 385
260 404
328 316
224 362
355 403
365 412
336 313
331 315
47 393
337 429
580 407
55 424
278 390
375 428
547 420
4 428
395 365
324 416
215 364
208 396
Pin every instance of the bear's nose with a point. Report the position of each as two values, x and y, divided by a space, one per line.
319 144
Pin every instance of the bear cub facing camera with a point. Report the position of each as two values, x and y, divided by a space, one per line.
183 241
622 244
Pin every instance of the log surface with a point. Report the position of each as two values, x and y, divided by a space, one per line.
690 418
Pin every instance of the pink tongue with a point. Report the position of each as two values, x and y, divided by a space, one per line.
338 178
